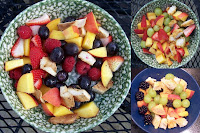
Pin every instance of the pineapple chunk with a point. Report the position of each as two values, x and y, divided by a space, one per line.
148 42
161 59
164 45
78 41
158 52
186 52
155 46
141 28
169 62
152 50
151 15
57 35
88 40
53 25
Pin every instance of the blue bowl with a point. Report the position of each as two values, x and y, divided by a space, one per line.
193 110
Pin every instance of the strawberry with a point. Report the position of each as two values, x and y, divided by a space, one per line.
175 27
155 36
37 41
35 55
35 29
162 35
50 44
114 62
152 22
138 31
37 77
143 22
18 48
53 97
105 41
178 57
189 30
144 37
39 21
181 51
146 51
24 32
160 47
167 50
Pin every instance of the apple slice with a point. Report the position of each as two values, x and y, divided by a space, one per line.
47 108
88 40
91 23
27 100
25 83
53 97
10 65
106 73
99 52
71 32
61 111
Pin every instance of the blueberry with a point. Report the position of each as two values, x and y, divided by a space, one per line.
63 43
26 68
84 81
70 49
77 105
43 32
62 76
57 55
69 19
98 63
59 84
92 94
97 43
50 81
112 48
75 86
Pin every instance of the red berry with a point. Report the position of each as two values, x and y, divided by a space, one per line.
50 44
82 67
15 73
94 74
24 32
68 64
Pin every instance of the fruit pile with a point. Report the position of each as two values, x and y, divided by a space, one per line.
164 103
166 34
46 51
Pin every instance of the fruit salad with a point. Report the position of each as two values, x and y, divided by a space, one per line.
45 54
164 103
166 34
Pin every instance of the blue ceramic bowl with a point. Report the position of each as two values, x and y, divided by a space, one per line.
158 74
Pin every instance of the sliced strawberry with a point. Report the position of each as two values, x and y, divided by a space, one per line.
146 51
181 51
53 97
39 21
18 48
35 29
167 50
153 23
144 37
105 41
138 31
38 84
114 62
178 57
143 22
155 36
162 35
37 77
160 47
175 27
189 30
37 41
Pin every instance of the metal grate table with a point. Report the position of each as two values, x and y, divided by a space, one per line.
119 122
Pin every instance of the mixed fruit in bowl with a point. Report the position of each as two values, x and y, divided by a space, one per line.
166 34
47 50
163 103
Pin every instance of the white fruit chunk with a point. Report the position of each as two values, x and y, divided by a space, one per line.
86 57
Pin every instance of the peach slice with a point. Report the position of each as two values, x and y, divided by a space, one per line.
88 40
99 52
159 20
159 110
48 108
190 93
183 16
53 25
26 84
10 65
71 32
78 41
55 34
172 113
61 111
141 103
176 14
91 23
53 97
106 73
44 89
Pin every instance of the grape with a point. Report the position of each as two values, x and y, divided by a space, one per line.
183 95
152 92
179 23
169 76
167 29
151 105
157 99
156 28
177 103
166 21
171 17
150 32
158 11
147 98
178 89
143 44
163 100
186 103
187 39
165 14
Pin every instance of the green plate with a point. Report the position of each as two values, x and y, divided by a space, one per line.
108 103
163 4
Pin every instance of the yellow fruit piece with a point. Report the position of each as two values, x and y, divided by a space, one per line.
99 52
164 45
161 59
158 52
148 42
169 33
106 73
27 46
27 100
155 46
186 52
26 60
176 14
71 32
151 15
61 110
25 83
169 62
183 114
78 41
55 34
140 35
141 28
10 65
53 25
88 40
87 110
44 89
152 50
